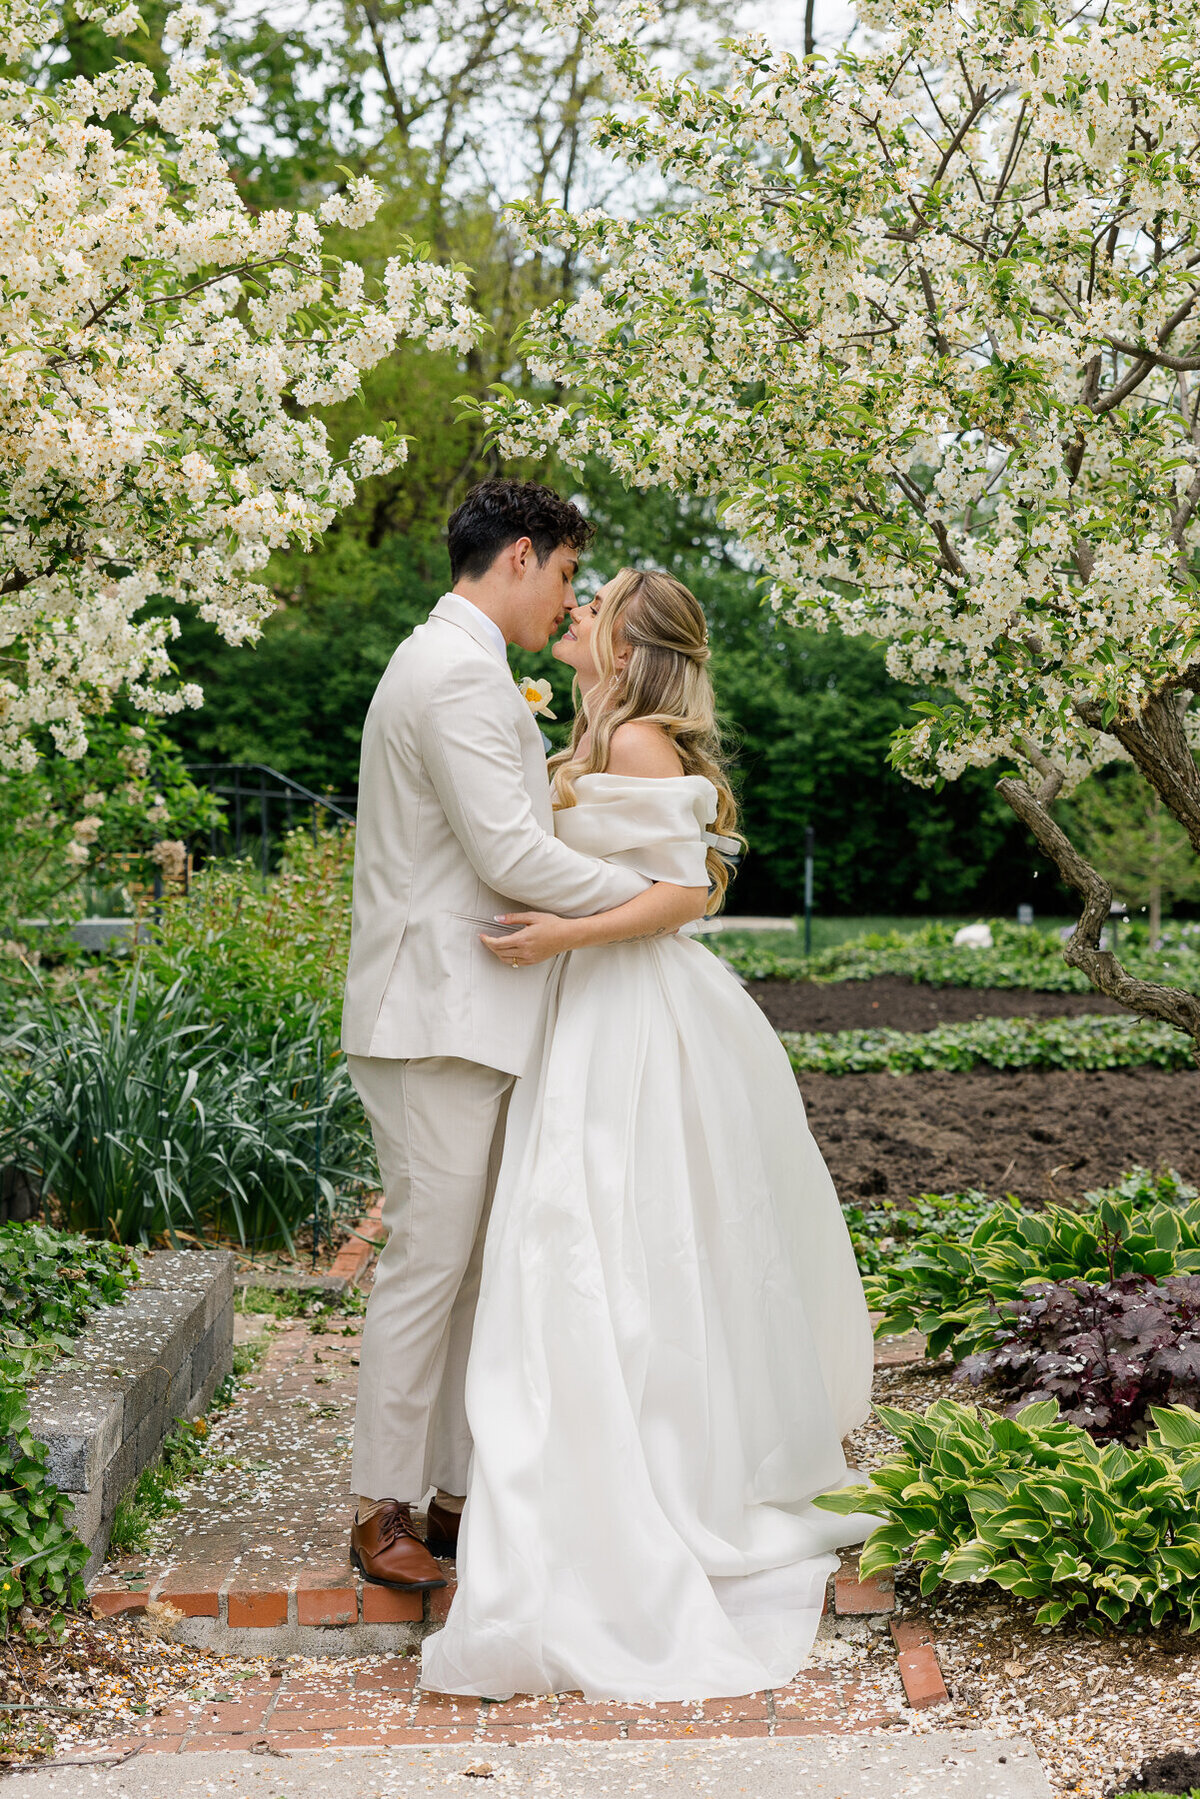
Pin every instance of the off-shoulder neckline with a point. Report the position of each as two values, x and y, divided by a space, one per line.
644 780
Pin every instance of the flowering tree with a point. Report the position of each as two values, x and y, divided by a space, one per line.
161 347
928 329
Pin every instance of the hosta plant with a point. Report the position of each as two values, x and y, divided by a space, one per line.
1099 1534
1106 1355
955 1290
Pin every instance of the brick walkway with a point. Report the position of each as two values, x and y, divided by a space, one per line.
261 1545
347 1703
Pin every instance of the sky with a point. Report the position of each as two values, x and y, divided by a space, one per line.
783 21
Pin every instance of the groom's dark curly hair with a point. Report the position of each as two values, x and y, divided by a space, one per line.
495 513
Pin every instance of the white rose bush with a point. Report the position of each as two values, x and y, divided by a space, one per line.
162 348
926 324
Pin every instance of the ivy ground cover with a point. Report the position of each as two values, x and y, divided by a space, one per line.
49 1283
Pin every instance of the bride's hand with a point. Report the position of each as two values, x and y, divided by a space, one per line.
541 936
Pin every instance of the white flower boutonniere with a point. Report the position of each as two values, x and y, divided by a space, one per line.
539 694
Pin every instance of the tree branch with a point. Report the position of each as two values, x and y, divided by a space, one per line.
1152 999
1154 358
394 101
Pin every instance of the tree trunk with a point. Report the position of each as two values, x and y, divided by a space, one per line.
1155 871
1156 740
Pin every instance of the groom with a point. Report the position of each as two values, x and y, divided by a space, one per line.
454 827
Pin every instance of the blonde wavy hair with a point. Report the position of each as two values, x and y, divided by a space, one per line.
665 682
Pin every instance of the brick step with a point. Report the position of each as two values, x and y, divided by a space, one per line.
323 1610
324 1597
332 1598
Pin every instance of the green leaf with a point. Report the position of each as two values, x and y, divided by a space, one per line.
1178 1426
972 1562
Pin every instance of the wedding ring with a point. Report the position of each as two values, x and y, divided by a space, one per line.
516 965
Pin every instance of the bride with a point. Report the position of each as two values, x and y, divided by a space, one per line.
671 1339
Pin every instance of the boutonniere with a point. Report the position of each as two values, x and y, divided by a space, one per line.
539 694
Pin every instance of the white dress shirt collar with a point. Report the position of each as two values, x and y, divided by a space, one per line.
477 622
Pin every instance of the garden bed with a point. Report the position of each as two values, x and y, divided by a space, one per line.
890 1002
1094 1706
1046 1135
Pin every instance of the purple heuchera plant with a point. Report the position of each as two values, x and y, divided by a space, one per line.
1105 1353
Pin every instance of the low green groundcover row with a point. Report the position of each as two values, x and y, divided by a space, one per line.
1090 1043
49 1282
1018 958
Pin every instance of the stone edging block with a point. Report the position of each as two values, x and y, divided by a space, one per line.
161 1354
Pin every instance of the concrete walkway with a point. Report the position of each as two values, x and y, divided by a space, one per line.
941 1765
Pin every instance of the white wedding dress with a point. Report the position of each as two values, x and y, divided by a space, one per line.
671 1338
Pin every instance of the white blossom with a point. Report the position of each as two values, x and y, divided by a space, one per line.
151 370
907 332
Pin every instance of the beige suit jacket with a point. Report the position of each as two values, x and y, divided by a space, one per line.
455 824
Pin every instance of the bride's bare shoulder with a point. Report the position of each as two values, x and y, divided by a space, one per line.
637 748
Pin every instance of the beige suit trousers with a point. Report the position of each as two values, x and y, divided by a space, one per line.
438 1125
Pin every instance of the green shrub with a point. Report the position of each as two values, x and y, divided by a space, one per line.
1091 1042
1102 1535
878 1232
952 1288
263 956
48 1285
1144 1187
148 1117
73 827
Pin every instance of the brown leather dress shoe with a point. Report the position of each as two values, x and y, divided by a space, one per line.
441 1530
387 1550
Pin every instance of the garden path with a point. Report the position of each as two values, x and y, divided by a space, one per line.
255 1564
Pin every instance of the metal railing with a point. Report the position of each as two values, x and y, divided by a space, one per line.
251 790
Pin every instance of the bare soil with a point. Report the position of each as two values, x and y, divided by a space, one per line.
1043 1135
890 1002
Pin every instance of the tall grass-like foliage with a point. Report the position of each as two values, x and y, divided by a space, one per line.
149 1118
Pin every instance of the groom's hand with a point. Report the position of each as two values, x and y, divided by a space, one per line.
539 936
